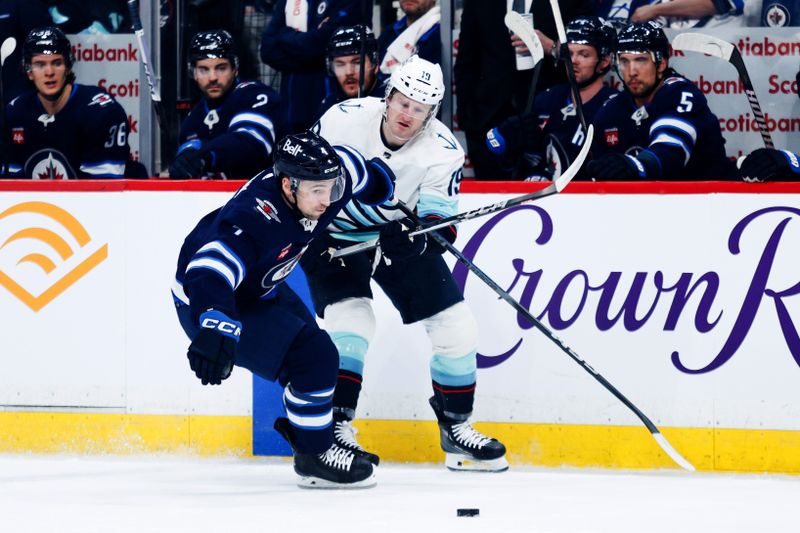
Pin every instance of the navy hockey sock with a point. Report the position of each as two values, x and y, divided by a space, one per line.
455 400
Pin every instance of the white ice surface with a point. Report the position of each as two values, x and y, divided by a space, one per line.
65 494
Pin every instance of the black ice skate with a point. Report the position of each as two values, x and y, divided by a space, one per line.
466 448
344 436
336 468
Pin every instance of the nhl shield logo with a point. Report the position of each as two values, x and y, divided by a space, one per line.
612 136
18 135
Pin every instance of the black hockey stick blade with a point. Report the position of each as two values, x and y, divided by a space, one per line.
716 47
138 30
558 185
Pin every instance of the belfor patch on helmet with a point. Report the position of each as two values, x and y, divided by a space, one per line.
643 37
594 32
48 40
307 156
215 44
347 41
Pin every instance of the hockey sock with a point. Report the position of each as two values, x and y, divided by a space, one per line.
454 403
352 349
310 414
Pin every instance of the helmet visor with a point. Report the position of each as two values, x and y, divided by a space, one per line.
329 191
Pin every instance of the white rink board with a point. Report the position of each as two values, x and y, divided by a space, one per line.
599 234
111 340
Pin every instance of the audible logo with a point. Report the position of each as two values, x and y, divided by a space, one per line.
45 253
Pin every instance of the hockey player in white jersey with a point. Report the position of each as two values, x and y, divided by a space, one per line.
403 131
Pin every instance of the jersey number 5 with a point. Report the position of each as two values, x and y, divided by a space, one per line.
118 135
686 103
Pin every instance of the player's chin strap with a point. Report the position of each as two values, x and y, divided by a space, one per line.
307 223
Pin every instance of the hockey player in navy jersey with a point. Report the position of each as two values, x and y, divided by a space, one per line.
403 132
344 66
231 132
660 127
62 129
232 303
547 139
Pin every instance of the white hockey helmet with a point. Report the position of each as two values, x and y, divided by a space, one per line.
420 80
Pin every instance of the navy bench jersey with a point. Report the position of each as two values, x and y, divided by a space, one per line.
87 138
240 132
676 125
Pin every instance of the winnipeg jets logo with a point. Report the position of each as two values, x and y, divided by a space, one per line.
777 16
568 111
266 208
49 169
46 119
639 115
211 118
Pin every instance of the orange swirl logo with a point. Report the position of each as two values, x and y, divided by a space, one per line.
46 255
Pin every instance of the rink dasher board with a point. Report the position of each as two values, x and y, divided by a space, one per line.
112 355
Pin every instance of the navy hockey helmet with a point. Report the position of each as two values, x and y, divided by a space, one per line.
346 41
594 32
48 40
643 37
215 44
307 156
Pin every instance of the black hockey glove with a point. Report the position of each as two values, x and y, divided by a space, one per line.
516 134
768 164
189 164
620 167
213 350
448 233
396 245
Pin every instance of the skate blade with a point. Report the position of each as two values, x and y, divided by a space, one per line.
311 482
462 463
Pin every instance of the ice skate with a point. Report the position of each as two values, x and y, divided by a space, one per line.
466 448
335 468
344 436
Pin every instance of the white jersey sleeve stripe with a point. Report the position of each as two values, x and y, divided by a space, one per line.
355 165
663 138
214 265
676 123
255 134
108 168
226 252
254 118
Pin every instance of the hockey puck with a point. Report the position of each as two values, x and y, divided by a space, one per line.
468 512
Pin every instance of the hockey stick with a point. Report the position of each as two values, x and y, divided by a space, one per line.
555 187
522 29
6 49
654 431
714 46
565 56
155 95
